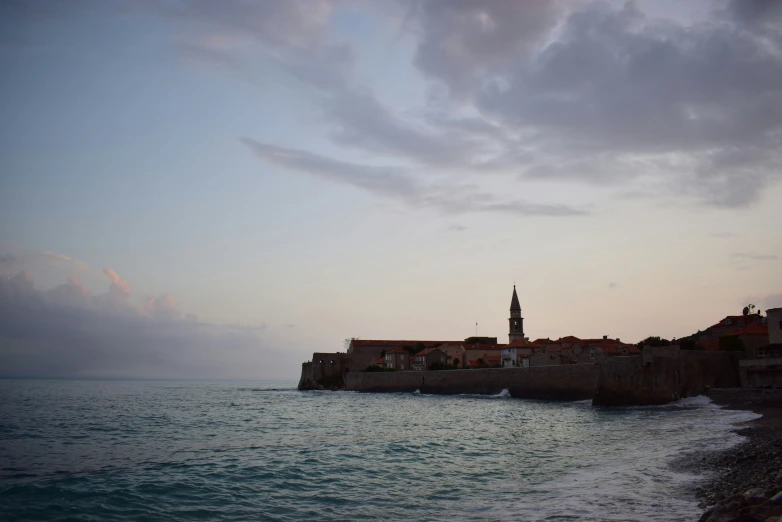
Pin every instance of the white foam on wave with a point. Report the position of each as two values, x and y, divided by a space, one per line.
503 394
633 479
417 392
700 400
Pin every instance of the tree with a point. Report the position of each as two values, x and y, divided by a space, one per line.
655 341
376 368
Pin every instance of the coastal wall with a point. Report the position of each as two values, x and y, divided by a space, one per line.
703 370
566 382
306 381
326 369
663 374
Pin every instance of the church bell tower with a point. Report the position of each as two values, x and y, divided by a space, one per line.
516 321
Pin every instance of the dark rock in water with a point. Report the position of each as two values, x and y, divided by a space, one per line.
755 496
706 514
310 384
724 513
765 511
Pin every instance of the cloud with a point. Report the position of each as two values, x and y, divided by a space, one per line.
754 257
163 307
67 332
601 94
592 93
397 184
358 119
14 259
119 287
460 39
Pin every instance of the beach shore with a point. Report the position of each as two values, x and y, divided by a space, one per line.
746 480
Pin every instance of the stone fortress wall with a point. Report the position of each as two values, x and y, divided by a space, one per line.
658 376
570 382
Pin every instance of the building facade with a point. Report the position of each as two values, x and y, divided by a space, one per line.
424 359
774 321
398 359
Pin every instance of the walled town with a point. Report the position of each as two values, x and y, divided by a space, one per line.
739 350
736 362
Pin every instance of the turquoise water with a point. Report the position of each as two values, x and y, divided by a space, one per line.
94 450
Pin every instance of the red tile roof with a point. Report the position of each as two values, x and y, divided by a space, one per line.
754 329
396 343
427 351
397 350
485 347
738 321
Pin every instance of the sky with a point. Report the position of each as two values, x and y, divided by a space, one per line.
199 189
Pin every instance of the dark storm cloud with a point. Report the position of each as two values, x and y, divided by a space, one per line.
67 332
398 184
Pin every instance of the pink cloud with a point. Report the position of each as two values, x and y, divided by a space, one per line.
119 287
163 306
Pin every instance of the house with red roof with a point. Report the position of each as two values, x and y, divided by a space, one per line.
380 361
476 353
428 357
735 332
454 354
544 357
398 359
364 351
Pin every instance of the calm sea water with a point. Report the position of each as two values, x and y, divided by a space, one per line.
89 450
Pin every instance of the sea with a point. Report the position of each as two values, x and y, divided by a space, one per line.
184 450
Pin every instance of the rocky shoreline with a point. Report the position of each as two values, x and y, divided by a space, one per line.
746 481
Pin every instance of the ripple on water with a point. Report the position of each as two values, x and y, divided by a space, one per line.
186 450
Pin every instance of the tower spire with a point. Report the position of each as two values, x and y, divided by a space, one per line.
514 302
516 321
